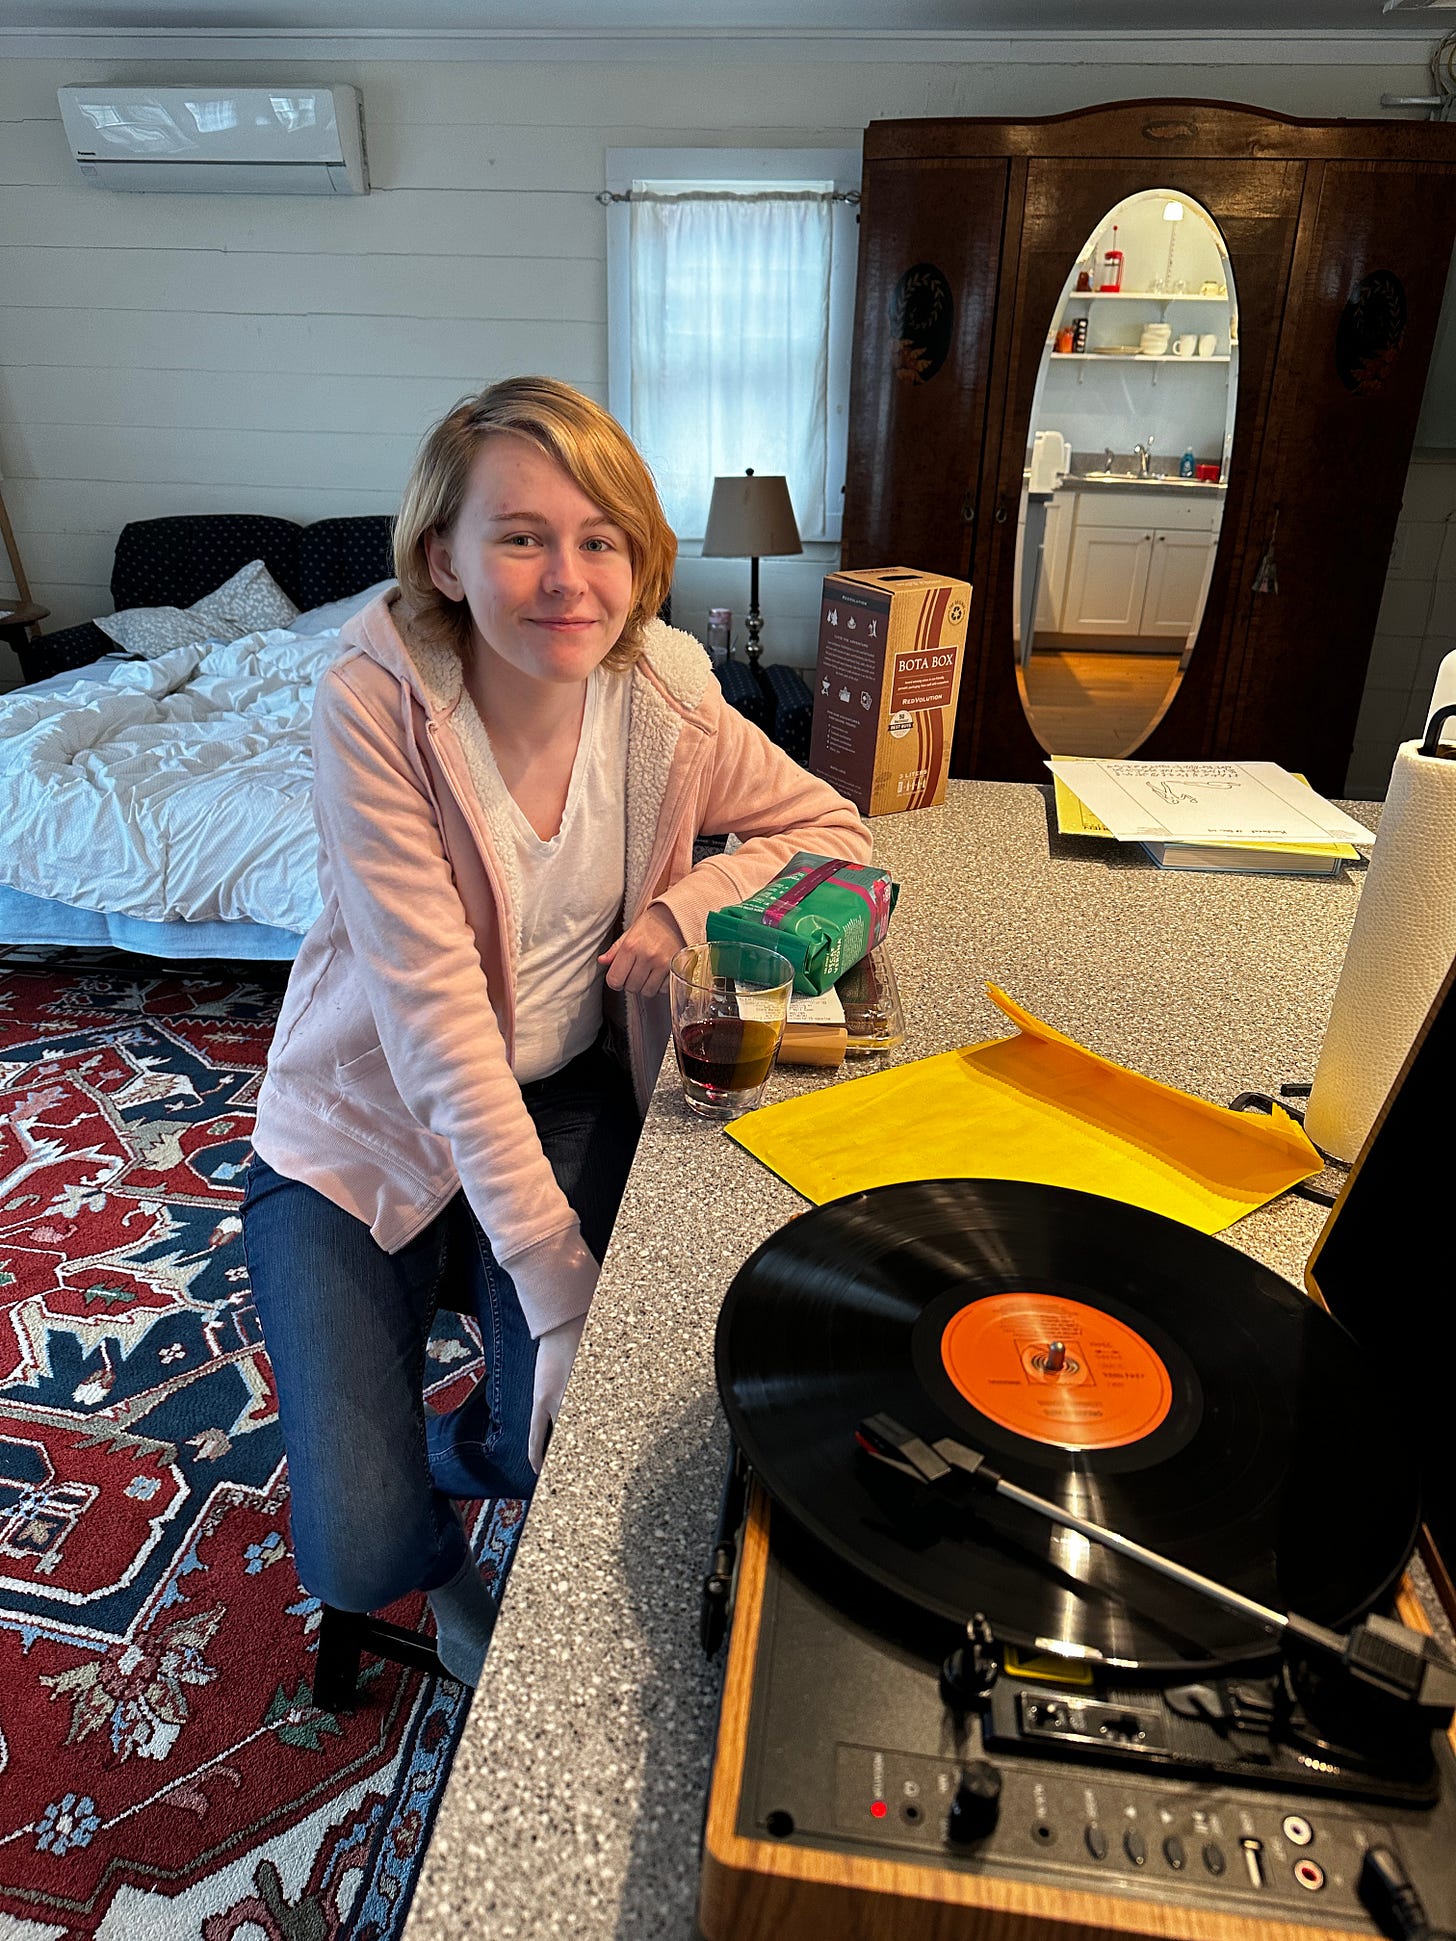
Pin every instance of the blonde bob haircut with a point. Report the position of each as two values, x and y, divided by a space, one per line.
586 442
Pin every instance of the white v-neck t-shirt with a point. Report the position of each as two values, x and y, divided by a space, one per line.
570 888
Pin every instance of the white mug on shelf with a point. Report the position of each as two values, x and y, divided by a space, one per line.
1184 346
1207 344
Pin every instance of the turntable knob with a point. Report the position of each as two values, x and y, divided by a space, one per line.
976 1804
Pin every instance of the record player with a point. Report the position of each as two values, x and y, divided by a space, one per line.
1072 1565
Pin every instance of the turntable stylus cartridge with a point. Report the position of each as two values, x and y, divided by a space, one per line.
1379 1651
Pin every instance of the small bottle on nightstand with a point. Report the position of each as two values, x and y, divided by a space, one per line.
720 633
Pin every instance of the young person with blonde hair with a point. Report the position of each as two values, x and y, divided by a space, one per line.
513 758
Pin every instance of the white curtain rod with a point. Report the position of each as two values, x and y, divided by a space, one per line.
729 195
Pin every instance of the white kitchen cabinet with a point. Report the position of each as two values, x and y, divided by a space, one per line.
1107 579
1139 565
1053 588
1151 508
1055 545
1178 569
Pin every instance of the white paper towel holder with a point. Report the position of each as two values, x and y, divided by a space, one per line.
1375 1012
1261 1101
1433 744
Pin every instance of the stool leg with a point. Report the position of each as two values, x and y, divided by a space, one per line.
336 1673
344 1636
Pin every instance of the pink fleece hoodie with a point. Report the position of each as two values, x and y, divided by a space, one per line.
389 1080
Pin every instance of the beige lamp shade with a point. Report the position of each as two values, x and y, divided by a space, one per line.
751 517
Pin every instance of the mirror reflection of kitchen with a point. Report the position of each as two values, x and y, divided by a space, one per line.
1126 471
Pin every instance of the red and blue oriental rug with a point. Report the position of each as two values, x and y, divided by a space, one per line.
164 1773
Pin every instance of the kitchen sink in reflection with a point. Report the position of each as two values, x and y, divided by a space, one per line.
1159 479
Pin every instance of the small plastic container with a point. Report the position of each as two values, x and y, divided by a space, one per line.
871 1000
720 634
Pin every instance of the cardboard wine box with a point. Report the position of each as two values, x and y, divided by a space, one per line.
891 647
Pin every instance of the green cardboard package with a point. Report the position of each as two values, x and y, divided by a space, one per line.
822 913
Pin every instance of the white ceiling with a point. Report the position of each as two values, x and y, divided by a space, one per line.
601 18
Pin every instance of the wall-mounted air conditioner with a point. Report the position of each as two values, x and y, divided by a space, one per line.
293 140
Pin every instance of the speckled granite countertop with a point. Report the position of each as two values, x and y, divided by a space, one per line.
577 1795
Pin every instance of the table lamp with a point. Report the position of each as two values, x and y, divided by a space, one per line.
751 517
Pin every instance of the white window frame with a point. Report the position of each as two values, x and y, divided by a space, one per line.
692 168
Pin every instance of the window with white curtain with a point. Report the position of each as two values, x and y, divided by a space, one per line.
730 301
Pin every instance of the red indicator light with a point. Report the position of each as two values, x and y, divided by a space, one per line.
878 1808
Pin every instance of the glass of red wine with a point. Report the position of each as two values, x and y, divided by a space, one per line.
729 1002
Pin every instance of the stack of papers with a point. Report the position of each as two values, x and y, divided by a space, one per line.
1247 816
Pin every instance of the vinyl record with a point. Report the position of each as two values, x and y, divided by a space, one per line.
1199 1404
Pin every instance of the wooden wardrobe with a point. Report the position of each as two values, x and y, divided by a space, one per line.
983 220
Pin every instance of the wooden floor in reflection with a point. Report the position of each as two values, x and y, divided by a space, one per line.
1096 702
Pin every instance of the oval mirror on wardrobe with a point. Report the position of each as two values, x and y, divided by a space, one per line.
1127 464
1334 239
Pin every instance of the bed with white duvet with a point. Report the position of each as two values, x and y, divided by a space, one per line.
165 805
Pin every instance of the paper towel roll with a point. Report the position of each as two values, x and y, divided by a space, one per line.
1401 947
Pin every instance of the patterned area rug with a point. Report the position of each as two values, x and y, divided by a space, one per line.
164 1774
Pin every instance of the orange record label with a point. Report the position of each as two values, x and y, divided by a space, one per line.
1056 1371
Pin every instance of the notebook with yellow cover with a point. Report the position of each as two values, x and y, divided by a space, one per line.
1074 818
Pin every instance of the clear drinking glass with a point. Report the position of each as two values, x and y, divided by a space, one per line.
729 1002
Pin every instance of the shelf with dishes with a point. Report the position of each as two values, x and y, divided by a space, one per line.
1130 357
1146 296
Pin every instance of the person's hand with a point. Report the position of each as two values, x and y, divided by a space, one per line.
555 1352
638 961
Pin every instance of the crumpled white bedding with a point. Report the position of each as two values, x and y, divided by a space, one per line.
178 790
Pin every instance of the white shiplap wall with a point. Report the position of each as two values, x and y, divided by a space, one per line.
1417 625
167 354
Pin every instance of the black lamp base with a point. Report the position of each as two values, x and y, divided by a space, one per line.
754 623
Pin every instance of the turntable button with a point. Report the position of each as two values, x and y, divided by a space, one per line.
1135 1847
1096 1841
1173 1853
1213 1858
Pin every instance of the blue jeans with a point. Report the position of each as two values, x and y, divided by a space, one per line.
371 1470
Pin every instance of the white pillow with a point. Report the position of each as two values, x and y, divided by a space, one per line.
328 619
250 602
